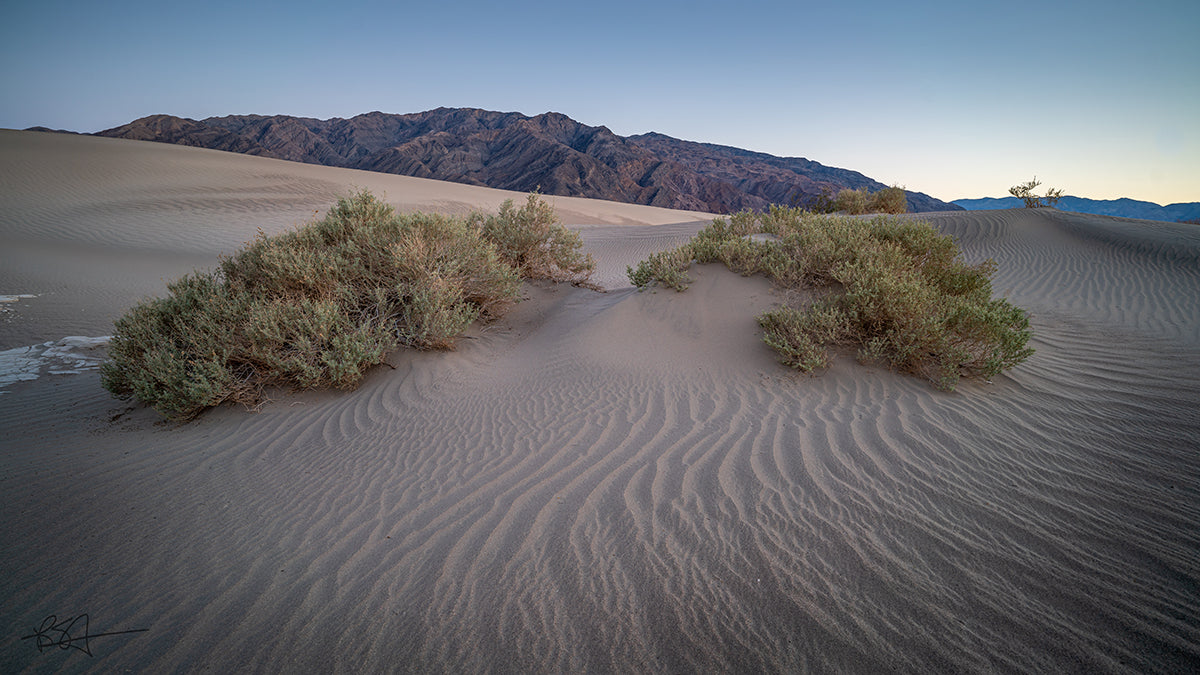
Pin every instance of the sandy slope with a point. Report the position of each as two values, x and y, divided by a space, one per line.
605 482
92 224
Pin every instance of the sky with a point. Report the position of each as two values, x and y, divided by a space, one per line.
956 99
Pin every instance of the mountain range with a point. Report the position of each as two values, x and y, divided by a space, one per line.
550 152
1124 208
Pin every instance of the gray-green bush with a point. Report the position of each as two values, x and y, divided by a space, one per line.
860 201
532 242
319 305
893 287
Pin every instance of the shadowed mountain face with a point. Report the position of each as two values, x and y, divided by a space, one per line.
549 152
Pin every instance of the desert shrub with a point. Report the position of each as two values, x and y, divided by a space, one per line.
853 202
896 288
319 305
802 337
1025 193
449 276
860 201
668 268
748 257
888 200
173 352
823 202
724 240
529 239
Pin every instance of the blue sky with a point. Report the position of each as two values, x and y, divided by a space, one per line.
956 99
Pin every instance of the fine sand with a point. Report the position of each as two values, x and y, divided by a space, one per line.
603 482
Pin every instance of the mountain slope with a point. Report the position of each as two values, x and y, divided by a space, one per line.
1124 208
548 152
774 180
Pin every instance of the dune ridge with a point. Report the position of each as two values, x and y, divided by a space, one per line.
618 481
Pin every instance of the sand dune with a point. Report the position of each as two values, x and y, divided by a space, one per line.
612 482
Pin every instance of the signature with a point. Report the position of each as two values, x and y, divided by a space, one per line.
70 633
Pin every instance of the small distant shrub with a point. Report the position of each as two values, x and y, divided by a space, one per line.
318 306
860 201
889 200
855 202
852 202
822 202
895 288
1025 193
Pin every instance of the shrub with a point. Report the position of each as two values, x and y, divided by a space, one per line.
668 268
822 202
450 276
1024 192
801 338
855 202
888 200
860 201
318 306
896 288
528 239
173 352
852 202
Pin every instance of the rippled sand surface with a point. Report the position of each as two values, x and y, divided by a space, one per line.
599 482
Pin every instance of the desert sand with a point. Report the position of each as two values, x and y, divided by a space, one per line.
598 482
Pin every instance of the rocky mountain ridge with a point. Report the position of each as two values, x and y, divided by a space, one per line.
549 152
1122 208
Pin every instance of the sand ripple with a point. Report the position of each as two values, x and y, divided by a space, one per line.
462 514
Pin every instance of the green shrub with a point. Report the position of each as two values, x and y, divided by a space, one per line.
318 306
888 200
801 337
451 275
860 201
668 268
1025 193
852 202
172 352
896 288
529 239
823 202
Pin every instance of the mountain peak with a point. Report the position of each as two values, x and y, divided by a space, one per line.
513 151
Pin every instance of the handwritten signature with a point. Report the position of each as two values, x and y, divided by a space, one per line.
65 633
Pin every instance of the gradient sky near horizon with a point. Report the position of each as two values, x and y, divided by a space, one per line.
956 99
